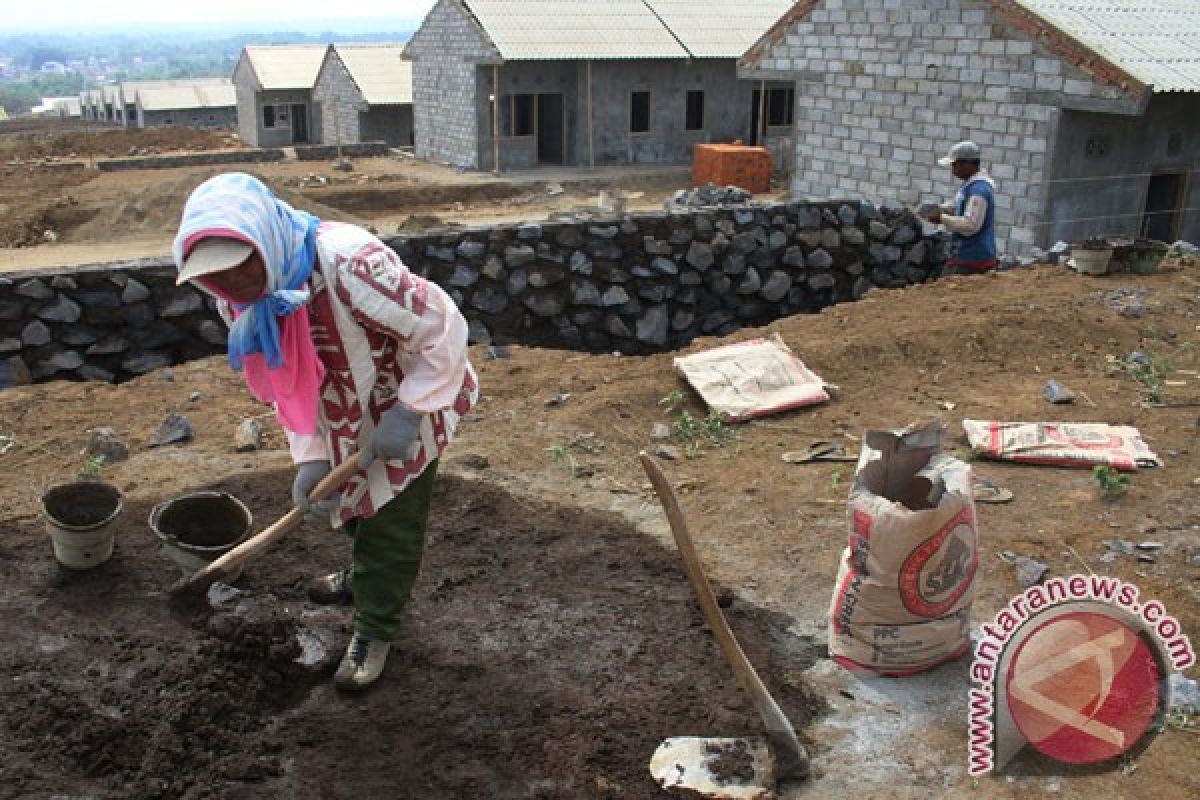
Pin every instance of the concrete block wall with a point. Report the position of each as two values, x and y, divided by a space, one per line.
191 117
889 85
245 89
392 124
339 101
446 52
636 284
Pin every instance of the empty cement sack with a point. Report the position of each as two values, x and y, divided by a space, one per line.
1061 444
752 379
904 588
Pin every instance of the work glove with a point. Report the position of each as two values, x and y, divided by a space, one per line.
393 436
308 475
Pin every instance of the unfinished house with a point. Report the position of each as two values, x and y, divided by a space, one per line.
110 103
363 93
522 83
127 93
210 107
1086 110
274 86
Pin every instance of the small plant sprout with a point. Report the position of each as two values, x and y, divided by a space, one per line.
1112 482
92 466
1151 372
672 401
694 433
835 478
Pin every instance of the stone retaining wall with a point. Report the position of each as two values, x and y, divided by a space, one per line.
256 156
325 152
634 284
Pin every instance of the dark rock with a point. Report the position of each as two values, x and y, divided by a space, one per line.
64 282
861 287
867 210
611 273
734 264
493 267
147 362
463 276
878 231
35 290
847 215
585 293
212 333
183 302
478 333
603 231
916 255
777 240
59 362
529 232
443 254
727 227
570 237
855 268
744 243
1057 393
652 326
109 345
605 251
664 266
750 283
808 217
654 293
777 286
703 226
682 319
743 217
822 280
35 334
581 263
10 310
489 300
614 296
617 327
174 429
819 259
545 304
10 345
700 256
716 320
160 334
519 255
810 239
76 336
656 247
14 372
853 237
471 250
550 254
831 239
904 235
90 372
690 278
517 282
541 277
101 299
794 257
717 282
248 436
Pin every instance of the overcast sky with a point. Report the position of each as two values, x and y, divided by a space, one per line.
278 15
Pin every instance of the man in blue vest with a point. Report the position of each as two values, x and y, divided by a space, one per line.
972 218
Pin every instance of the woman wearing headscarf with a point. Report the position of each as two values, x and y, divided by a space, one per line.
360 358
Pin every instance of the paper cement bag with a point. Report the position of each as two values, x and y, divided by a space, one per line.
1061 444
752 379
904 589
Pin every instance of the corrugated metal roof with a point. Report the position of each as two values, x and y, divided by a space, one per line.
718 28
130 89
286 66
184 97
382 76
1155 41
574 29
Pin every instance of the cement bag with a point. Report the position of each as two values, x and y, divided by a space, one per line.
903 594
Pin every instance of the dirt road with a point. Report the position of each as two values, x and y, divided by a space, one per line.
552 642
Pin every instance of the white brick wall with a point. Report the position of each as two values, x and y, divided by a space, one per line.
940 74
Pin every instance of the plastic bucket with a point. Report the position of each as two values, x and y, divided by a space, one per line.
79 517
197 529
1092 261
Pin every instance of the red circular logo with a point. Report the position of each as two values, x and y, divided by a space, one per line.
1083 687
939 571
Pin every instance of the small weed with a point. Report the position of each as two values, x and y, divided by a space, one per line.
694 433
7 440
835 479
91 467
672 401
565 453
1112 482
1151 373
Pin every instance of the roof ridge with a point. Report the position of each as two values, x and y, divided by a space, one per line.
668 28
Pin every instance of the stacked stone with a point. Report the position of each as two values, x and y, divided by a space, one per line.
101 324
248 156
324 152
633 284
652 282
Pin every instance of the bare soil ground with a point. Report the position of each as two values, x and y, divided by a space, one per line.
552 641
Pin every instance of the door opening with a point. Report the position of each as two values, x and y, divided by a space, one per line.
1164 201
551 129
299 123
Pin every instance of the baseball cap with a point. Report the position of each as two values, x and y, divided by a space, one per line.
213 254
963 151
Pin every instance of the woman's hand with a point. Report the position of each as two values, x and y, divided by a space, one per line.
308 475
393 436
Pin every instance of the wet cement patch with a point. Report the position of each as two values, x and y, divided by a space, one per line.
546 653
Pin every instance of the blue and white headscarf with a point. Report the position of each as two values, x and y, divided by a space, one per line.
239 206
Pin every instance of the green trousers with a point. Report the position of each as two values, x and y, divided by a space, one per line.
387 556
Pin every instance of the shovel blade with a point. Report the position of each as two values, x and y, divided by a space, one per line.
717 768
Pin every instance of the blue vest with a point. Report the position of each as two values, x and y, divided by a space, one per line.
982 246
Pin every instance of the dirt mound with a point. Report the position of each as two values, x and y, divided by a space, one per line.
113 143
546 653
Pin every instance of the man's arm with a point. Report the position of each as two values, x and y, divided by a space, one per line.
969 223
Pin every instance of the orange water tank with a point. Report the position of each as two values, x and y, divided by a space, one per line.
737 165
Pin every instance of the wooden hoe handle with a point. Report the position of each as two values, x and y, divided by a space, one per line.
789 753
250 548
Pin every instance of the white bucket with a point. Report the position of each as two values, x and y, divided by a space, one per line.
1091 260
197 529
79 518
